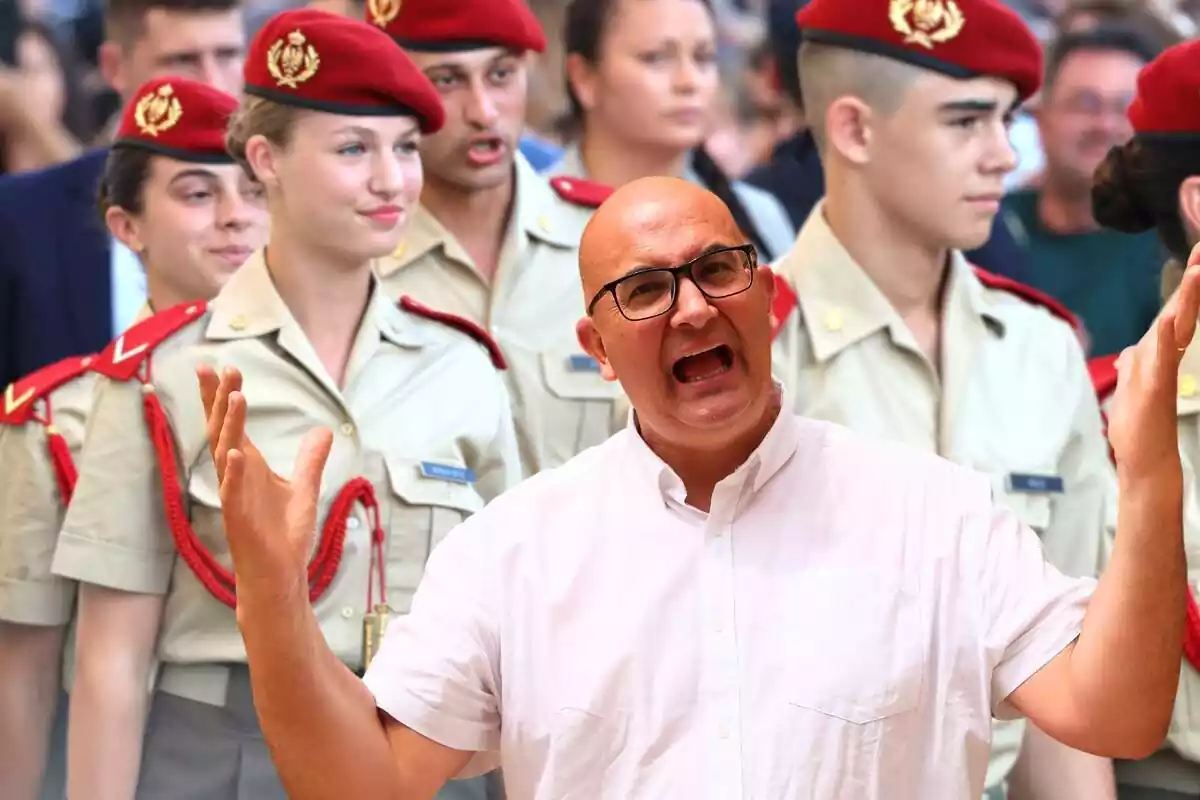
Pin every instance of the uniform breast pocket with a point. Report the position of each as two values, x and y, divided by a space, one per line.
579 413
1029 494
855 653
426 503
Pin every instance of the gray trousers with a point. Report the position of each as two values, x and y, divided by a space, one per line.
1145 793
194 751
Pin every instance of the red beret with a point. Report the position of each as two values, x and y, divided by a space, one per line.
179 118
1168 93
958 38
450 25
318 60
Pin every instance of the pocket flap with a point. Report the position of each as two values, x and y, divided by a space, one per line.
412 485
575 376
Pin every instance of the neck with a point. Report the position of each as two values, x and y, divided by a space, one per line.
701 468
477 218
161 294
326 295
613 162
909 272
1062 211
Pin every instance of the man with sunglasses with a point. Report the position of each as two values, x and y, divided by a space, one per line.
883 325
724 600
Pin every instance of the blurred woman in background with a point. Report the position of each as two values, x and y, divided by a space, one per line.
642 82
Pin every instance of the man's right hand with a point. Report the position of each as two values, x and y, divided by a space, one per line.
270 522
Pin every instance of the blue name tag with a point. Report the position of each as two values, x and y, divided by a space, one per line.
446 472
583 363
1035 484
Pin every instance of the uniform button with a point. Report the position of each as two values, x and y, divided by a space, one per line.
238 323
399 251
352 523
834 320
1187 385
544 223
347 429
347 612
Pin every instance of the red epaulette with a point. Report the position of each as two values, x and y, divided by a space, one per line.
458 323
783 304
122 359
1029 294
581 192
1103 371
20 398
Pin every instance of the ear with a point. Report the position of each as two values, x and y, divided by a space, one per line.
125 227
593 345
261 157
1189 204
111 60
848 129
581 77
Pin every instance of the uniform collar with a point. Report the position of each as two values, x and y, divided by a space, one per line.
840 303
775 450
535 207
249 306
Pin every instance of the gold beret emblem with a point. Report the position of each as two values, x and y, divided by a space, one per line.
158 110
293 62
926 22
384 11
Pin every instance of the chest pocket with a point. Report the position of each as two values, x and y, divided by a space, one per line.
1029 494
420 512
580 413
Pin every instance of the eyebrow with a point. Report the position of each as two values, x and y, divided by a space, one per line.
960 106
368 133
194 173
462 69
709 250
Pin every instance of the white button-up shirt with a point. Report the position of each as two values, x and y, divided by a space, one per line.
842 624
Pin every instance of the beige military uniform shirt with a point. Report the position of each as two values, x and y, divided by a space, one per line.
560 403
32 506
423 415
1012 397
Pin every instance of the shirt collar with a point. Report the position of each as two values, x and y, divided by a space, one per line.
772 453
534 207
249 306
840 303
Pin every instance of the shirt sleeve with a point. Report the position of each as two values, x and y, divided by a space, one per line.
115 533
31 511
438 670
1032 612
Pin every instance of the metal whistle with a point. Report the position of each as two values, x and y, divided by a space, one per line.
374 624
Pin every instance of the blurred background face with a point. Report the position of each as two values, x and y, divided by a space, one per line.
349 183
206 46
655 79
484 95
1083 115
198 224
44 75
949 138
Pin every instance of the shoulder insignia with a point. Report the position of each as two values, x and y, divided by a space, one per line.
1103 371
20 397
458 323
783 304
581 192
122 359
1028 294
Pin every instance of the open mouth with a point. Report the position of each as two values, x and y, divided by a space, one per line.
487 147
703 365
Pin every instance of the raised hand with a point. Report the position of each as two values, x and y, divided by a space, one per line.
270 522
1141 420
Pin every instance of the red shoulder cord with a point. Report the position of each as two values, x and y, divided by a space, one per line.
1191 632
219 581
65 473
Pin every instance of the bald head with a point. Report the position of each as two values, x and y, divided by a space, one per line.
653 220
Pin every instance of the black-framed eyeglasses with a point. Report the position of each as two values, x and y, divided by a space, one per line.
652 291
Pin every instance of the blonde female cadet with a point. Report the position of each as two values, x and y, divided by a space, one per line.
330 125
1153 181
172 193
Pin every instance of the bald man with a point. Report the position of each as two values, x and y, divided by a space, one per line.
723 600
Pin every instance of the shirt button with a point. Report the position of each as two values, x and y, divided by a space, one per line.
352 523
347 429
347 612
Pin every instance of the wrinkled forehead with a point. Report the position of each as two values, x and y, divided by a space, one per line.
655 233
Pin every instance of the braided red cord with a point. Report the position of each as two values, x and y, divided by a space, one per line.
219 581
64 466
1191 632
